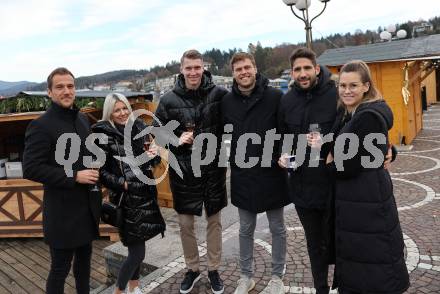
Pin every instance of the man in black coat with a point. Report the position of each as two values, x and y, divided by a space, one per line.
195 104
311 100
70 212
251 108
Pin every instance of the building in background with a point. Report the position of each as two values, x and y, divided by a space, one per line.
398 69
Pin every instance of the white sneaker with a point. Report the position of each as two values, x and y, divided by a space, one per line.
276 285
245 284
136 290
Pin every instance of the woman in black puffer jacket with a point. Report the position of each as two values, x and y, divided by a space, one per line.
141 213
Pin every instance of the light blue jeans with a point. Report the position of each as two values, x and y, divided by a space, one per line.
248 221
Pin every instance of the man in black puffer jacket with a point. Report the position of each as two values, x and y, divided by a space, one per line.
195 104
311 100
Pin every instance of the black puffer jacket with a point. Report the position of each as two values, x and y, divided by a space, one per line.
256 189
309 187
142 217
369 242
203 107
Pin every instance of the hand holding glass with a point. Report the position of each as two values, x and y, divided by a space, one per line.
315 133
290 162
95 165
190 126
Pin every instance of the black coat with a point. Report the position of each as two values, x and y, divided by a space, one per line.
142 217
309 187
203 107
256 189
70 212
369 241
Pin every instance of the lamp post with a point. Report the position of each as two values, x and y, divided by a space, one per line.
303 7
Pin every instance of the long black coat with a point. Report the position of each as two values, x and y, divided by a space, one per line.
191 193
258 188
70 212
309 187
369 242
142 217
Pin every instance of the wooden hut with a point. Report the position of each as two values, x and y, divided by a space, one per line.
398 68
21 199
431 87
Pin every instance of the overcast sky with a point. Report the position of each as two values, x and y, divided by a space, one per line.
95 36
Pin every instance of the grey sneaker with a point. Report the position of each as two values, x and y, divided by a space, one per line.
244 285
276 285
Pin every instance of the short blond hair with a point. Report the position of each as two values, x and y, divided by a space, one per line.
191 54
240 56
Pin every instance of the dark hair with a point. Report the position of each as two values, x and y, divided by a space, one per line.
191 54
302 52
240 56
360 67
58 71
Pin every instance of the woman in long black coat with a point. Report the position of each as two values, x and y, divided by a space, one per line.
141 213
368 238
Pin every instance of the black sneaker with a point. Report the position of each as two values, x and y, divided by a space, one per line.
216 282
188 282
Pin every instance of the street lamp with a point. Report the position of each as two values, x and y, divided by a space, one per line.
387 35
303 6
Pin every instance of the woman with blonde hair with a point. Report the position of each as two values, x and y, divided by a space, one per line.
368 238
142 218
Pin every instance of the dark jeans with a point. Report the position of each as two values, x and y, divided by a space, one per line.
131 266
61 260
314 224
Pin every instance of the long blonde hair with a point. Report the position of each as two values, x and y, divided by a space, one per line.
360 67
109 105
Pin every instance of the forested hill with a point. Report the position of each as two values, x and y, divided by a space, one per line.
271 61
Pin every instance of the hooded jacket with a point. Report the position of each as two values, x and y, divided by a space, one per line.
201 106
256 189
309 187
142 217
368 239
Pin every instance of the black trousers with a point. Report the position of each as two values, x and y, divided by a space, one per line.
131 267
315 229
61 260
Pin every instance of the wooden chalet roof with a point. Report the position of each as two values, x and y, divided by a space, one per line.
427 47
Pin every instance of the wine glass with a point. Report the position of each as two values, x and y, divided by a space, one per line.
147 142
190 127
315 132
95 165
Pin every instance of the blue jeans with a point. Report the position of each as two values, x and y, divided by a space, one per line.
248 221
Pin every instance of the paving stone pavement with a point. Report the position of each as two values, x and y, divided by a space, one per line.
416 178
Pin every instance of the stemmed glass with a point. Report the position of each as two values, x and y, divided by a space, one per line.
95 165
190 127
148 141
315 132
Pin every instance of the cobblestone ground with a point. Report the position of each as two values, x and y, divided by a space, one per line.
416 178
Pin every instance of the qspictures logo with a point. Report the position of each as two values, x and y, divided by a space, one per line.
206 148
